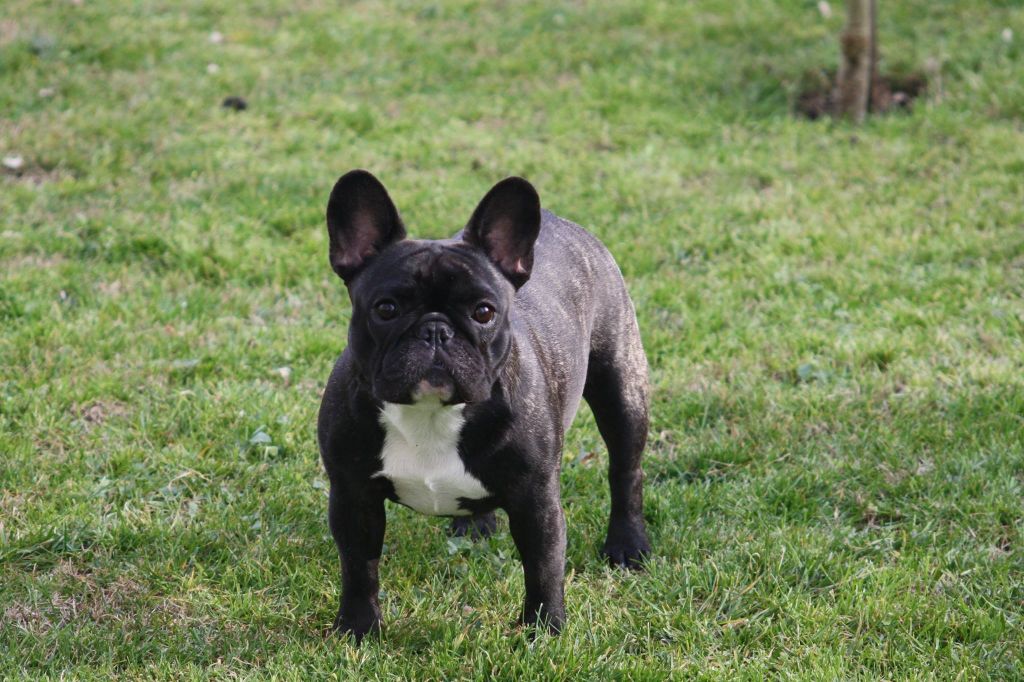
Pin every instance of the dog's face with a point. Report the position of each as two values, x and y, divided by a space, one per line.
430 319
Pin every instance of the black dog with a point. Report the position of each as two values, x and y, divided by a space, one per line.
466 362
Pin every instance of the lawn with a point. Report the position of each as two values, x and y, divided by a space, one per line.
833 317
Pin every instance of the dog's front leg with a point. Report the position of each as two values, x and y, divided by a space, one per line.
538 529
357 523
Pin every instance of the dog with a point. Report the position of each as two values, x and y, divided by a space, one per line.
466 362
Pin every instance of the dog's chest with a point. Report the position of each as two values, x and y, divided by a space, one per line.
421 458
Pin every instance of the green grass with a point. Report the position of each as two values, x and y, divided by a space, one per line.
834 319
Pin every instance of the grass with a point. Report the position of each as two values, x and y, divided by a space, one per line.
833 317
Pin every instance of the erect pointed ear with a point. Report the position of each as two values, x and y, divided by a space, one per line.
361 222
505 225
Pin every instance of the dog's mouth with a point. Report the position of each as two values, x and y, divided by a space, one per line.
436 384
415 373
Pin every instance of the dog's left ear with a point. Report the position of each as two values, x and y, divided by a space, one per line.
505 225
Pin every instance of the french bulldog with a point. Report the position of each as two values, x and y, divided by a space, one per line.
466 362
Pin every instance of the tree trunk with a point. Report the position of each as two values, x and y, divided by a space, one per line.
858 61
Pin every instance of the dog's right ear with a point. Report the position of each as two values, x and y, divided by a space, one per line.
361 222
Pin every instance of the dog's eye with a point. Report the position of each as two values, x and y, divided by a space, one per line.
483 313
386 310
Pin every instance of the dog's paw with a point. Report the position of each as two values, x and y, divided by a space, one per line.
357 623
477 526
541 620
627 550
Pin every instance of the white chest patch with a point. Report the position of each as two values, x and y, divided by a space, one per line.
421 457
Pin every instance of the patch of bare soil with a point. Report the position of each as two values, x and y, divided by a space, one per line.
100 411
889 92
9 32
33 173
73 596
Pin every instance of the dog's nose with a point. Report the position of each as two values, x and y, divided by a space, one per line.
435 332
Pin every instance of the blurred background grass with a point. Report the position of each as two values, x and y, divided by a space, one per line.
833 317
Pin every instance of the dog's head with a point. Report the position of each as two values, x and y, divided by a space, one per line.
431 319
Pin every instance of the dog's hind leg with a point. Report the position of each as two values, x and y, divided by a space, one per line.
617 392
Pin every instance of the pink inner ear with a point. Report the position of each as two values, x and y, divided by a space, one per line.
350 260
361 244
364 232
503 248
499 239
